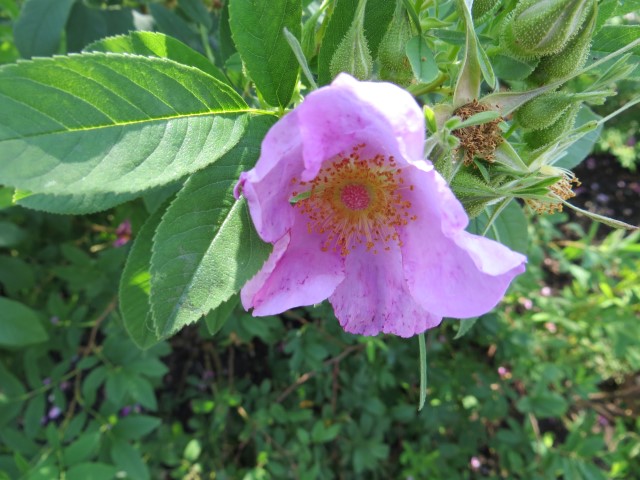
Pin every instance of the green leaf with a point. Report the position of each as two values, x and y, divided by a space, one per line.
98 123
91 471
135 285
173 25
473 67
192 450
227 47
6 197
82 449
10 402
377 16
613 37
216 319
135 427
509 68
33 415
10 7
39 27
153 44
16 275
627 6
130 460
206 248
601 218
466 324
197 12
545 404
478 119
583 147
19 325
423 63
86 25
73 204
509 228
257 28
606 9
10 234
297 51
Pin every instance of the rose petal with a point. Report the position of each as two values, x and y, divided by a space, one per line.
374 296
396 106
297 273
449 271
331 121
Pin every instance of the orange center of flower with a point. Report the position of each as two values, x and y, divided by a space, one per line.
355 201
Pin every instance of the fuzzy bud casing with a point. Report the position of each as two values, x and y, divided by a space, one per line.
572 57
482 9
394 64
539 138
353 55
536 28
543 111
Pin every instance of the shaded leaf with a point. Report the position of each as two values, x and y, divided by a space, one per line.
257 28
135 285
19 325
423 63
216 319
86 25
39 27
206 247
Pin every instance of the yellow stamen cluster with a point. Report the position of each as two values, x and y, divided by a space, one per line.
355 201
562 189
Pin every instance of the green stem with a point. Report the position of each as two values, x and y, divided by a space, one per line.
496 213
418 90
423 371
204 37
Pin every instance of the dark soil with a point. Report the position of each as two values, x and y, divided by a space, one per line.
607 189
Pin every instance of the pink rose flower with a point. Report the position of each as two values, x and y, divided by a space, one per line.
356 215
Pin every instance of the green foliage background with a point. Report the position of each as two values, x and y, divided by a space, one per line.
544 388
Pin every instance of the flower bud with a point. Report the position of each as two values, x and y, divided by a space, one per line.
353 55
482 9
539 138
472 191
537 28
394 64
572 57
543 111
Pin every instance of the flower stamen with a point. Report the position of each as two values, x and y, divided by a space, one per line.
355 201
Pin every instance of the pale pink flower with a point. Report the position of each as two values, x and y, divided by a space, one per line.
356 215
123 234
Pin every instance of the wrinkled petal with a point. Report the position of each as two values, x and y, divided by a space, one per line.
449 271
374 297
381 115
267 187
331 121
297 273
